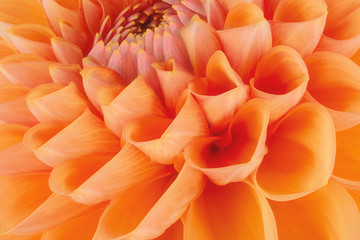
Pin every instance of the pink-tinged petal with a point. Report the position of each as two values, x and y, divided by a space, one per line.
195 6
135 101
79 228
94 14
303 28
97 77
32 39
341 34
149 41
183 13
98 52
68 11
173 79
335 83
215 13
247 36
130 167
54 211
158 46
329 213
29 70
229 4
281 77
53 143
347 162
201 42
233 157
125 212
301 154
66 52
174 48
65 74
76 37
234 211
56 102
21 195
162 139
13 107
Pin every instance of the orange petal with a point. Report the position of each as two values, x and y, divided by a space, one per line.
347 163
13 107
66 52
53 211
97 77
94 14
56 102
234 157
281 77
53 144
33 39
29 70
11 134
175 232
301 154
233 211
135 101
246 29
173 79
6 49
65 74
303 28
127 169
20 237
329 213
21 195
201 42
71 35
162 139
335 83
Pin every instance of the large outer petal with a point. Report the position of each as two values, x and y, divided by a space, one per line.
301 154
231 212
329 213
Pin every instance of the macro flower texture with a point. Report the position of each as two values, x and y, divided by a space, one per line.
179 119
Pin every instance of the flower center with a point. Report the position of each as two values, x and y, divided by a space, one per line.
134 19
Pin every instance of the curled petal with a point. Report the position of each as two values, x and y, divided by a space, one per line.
233 157
318 214
201 42
65 74
175 232
29 70
56 102
303 28
162 139
53 144
11 134
13 107
335 83
281 77
215 13
301 154
94 14
135 101
6 49
245 39
128 168
66 52
234 211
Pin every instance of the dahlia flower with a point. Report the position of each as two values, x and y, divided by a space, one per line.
179 119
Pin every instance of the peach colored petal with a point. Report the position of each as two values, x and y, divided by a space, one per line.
301 154
6 49
162 139
195 6
94 13
71 35
335 83
32 39
239 38
97 77
56 102
11 134
158 46
347 162
53 143
98 52
233 157
21 194
281 77
303 28
173 79
234 211
66 52
65 74
55 210
215 13
20 237
329 213
201 42
135 101
13 107
29 70
128 168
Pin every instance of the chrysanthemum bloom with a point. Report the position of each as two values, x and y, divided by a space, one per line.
179 119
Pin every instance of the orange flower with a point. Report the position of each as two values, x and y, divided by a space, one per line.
170 120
